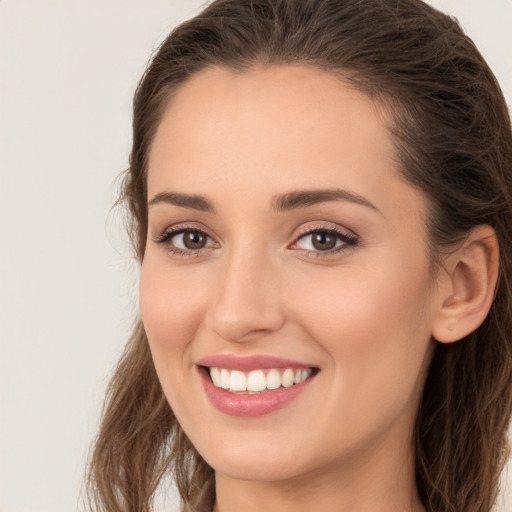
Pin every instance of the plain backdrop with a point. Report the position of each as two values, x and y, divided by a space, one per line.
68 70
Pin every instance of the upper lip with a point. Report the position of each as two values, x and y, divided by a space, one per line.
249 363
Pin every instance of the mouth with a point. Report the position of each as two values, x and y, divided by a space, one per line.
257 381
255 385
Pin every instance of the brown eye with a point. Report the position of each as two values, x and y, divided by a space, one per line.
330 241
186 240
193 240
323 240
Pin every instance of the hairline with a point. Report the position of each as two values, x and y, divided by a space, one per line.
389 109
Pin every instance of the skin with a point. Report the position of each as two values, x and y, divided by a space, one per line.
362 313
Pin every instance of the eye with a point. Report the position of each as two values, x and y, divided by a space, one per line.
191 240
326 240
183 241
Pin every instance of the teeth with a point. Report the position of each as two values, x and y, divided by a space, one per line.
215 375
257 380
237 381
224 379
287 378
273 379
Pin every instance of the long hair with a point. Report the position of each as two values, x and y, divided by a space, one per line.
453 141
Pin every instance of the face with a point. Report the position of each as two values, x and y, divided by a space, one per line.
285 250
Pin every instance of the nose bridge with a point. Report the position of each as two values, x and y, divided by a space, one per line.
246 301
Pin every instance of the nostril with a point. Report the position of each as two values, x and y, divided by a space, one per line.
244 325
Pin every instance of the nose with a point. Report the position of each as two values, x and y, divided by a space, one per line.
246 303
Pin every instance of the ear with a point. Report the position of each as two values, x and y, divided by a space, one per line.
467 288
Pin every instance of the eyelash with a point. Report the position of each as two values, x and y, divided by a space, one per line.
348 240
166 237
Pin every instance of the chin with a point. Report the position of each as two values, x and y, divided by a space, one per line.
255 471
255 463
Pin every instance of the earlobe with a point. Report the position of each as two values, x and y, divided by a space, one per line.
467 288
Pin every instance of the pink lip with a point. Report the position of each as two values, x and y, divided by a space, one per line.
247 364
242 404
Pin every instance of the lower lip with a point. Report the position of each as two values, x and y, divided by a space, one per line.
258 404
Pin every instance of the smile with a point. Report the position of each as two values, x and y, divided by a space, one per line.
253 386
259 380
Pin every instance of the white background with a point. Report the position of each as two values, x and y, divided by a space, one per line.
68 70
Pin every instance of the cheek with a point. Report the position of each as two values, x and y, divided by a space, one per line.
374 325
172 307
367 302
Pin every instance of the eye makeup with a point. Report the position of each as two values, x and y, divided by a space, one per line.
318 240
324 240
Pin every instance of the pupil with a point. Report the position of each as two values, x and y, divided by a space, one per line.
194 240
324 241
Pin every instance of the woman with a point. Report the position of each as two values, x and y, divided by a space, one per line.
320 195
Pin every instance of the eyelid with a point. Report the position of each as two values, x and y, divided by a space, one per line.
311 227
348 237
165 238
180 228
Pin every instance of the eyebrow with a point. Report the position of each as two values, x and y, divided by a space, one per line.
305 198
280 203
184 200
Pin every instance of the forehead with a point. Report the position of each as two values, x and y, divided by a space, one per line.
279 128
281 104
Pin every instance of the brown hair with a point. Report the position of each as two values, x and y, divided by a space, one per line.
453 139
